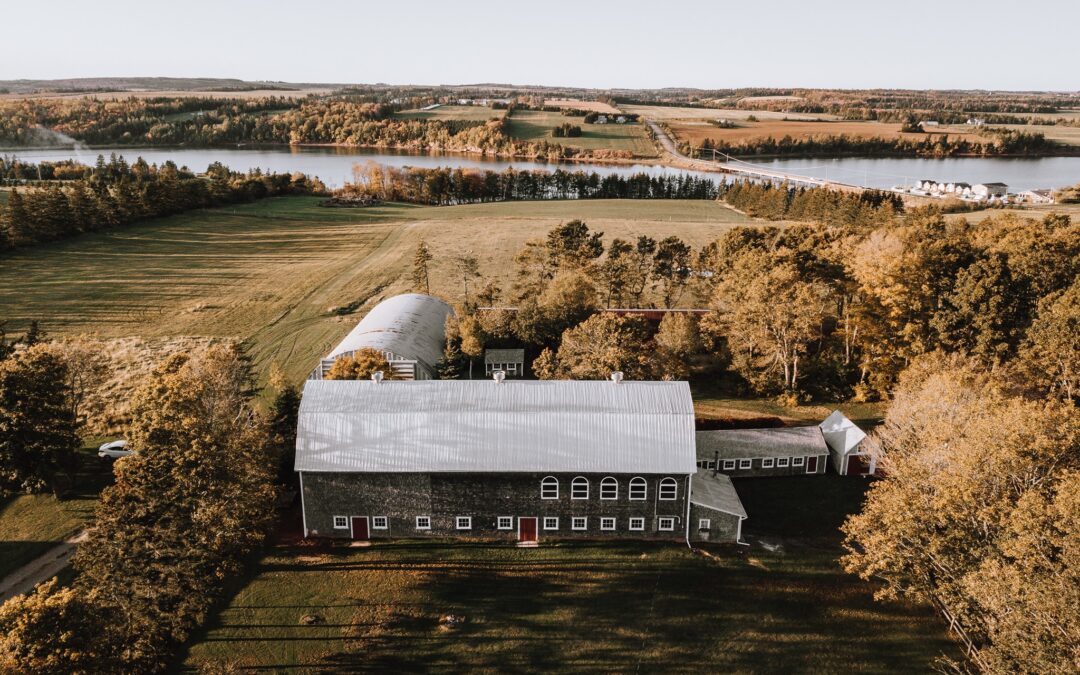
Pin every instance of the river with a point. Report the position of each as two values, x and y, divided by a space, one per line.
334 164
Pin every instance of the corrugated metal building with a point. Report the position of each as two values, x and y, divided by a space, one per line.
409 329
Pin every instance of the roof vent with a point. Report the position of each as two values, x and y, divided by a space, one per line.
616 376
377 376
499 376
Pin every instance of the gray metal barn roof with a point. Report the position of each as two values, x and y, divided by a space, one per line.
755 443
410 326
716 492
483 425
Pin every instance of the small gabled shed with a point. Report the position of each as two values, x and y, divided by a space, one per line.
716 512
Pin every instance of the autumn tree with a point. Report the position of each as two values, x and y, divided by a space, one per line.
640 268
614 273
360 365
569 299
977 513
671 269
420 277
1051 355
38 436
467 267
600 345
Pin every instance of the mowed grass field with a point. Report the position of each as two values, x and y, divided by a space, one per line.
475 113
269 272
532 125
581 606
665 113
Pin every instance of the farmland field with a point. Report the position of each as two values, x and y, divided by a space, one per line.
574 104
474 113
581 607
696 131
531 125
269 272
663 113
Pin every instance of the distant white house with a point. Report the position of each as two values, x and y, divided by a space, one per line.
509 361
976 122
990 190
602 119
621 119
845 441
1037 196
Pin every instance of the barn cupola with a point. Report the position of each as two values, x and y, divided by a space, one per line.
499 376
616 376
377 376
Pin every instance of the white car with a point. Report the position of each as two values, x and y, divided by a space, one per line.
114 450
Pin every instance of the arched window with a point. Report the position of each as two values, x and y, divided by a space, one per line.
609 488
549 488
579 489
638 488
668 489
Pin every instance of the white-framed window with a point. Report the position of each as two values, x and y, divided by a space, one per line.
579 523
704 524
380 523
666 524
729 465
579 488
767 463
637 524
782 462
423 522
609 488
341 522
506 522
463 522
549 488
607 524
746 463
798 461
638 489
669 489
551 523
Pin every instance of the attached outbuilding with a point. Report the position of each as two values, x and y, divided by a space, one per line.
513 460
782 451
509 361
716 512
845 441
409 329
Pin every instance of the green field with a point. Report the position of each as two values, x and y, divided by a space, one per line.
582 607
531 125
32 524
473 113
269 272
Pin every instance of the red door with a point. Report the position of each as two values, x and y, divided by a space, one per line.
856 466
811 465
527 529
359 528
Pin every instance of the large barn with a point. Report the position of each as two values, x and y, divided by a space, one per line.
512 460
409 329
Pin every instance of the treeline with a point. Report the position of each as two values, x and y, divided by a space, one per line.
864 209
16 172
114 194
442 186
1000 143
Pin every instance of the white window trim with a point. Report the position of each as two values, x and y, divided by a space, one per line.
768 463
576 484
609 482
551 527
344 525
704 524
607 524
666 519
798 461
578 528
729 465
637 525
545 483
463 522
423 527
746 464
375 523
509 524
642 485
668 486
783 462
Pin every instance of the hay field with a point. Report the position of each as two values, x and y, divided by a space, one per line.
531 125
664 113
471 113
574 104
697 131
269 272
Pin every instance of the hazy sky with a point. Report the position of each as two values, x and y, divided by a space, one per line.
988 44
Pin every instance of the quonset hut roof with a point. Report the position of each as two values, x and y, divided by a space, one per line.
410 326
488 426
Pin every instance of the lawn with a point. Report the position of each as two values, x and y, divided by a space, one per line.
715 399
582 607
472 113
32 524
532 125
269 272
